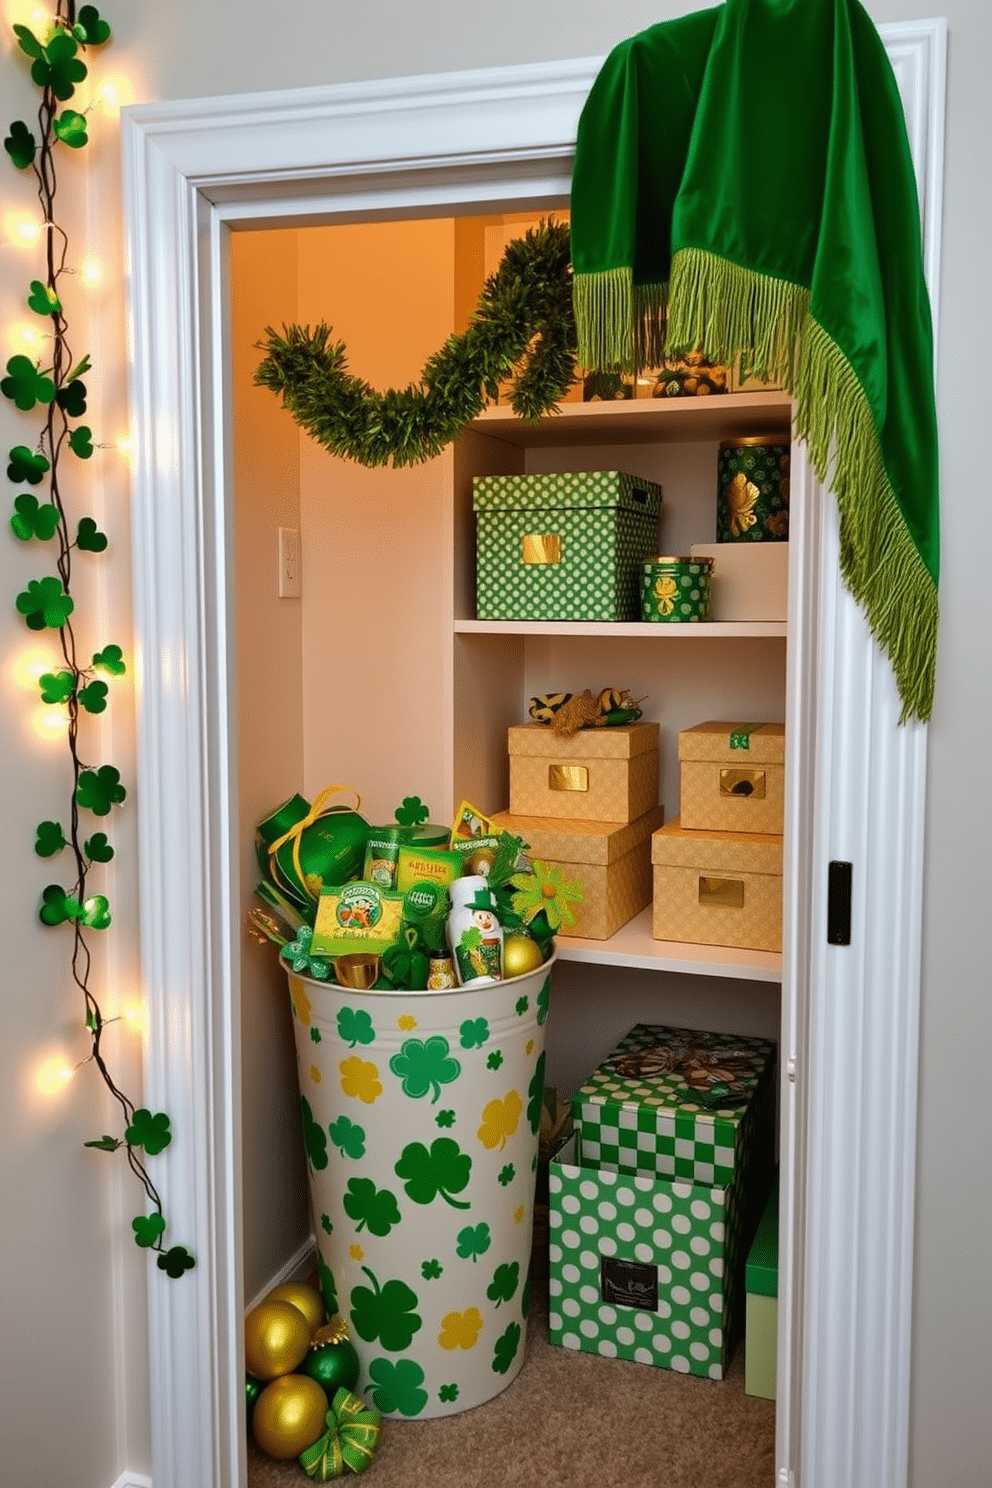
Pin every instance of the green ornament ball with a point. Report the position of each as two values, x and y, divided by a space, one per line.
335 1366
253 1388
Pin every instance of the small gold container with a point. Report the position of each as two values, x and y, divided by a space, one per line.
358 970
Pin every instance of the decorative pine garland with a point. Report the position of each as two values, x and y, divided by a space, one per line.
524 321
47 603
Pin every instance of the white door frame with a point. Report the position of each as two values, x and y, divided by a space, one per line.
193 170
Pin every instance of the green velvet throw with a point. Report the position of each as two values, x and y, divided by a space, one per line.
743 186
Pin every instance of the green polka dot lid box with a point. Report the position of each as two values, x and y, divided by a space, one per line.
654 1203
565 546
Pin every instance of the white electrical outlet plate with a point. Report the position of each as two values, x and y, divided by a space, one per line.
289 563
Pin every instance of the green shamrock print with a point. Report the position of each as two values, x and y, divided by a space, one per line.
26 466
348 1137
522 1006
71 398
424 1066
536 1092
506 1348
367 1205
504 1282
90 28
355 1027
412 812
99 790
326 1225
474 1032
397 1386
385 1313
444 1170
328 1290
96 912
543 1001
56 687
97 848
56 66
20 145
506 1175
57 906
431 1270
495 1060
315 1035
175 1261
49 839
313 1136
448 1393
444 1118
33 518
297 954
473 1241
44 603
147 1229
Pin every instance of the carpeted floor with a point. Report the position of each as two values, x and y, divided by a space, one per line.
575 1420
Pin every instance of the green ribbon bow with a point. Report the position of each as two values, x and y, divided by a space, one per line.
349 1442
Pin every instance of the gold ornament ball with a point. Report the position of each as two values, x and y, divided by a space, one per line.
289 1416
306 1298
520 955
277 1335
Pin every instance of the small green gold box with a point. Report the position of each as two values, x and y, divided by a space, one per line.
753 489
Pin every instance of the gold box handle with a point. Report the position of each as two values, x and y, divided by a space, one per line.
728 893
568 778
541 547
745 784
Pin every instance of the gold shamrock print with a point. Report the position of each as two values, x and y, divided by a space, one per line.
741 497
665 590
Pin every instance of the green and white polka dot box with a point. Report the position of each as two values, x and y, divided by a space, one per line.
563 546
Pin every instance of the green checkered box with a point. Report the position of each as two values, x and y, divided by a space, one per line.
677 1102
563 546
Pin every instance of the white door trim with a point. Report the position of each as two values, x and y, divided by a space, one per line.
192 170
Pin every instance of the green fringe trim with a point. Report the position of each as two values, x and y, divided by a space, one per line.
620 325
723 310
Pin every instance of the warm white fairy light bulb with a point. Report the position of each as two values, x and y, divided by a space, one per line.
90 272
22 228
53 1074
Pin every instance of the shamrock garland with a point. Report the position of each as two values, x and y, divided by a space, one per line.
59 392
524 318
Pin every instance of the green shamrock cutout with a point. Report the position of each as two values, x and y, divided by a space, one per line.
370 1206
43 300
444 1118
506 1348
97 848
25 386
89 538
56 687
448 1393
20 145
297 954
315 1036
473 1241
72 398
495 1059
506 1175
147 1229
385 1313
105 1144
49 839
110 659
398 1386
81 442
431 1270
536 1092
313 1136
32 518
94 696
150 1131
57 906
504 1282
26 466
58 67
70 128
99 790
348 1137
326 1225
474 1032
328 1290
412 812
96 912
521 1006
543 1000
90 27
355 1027
444 1170
44 603
424 1066
175 1261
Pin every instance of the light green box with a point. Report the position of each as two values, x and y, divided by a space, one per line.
761 1325
563 546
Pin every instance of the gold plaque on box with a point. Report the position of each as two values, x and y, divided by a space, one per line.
743 783
541 547
568 778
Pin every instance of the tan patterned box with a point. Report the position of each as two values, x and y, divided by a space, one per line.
732 777
599 774
611 861
717 888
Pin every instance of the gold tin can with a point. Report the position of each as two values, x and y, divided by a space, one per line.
753 489
676 589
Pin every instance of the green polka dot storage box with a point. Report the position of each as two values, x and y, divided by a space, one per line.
564 546
653 1207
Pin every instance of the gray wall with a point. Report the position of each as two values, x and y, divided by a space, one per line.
77 1400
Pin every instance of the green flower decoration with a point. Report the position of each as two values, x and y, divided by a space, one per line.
444 1118
25 386
506 1348
20 145
99 790
355 1027
412 812
147 1229
70 128
504 1282
89 538
43 300
369 1206
110 659
26 466
58 67
97 848
33 519
49 839
298 958
385 1314
431 1270
81 441
150 1131
473 1241
474 1032
175 1261
442 1171
313 1136
543 1001
522 1004
448 1393
398 1386
424 1066
56 687
495 1059
72 398
535 1091
506 1175
348 1137
44 603
545 888
94 697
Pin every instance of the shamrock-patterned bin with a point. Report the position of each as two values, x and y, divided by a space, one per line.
421 1113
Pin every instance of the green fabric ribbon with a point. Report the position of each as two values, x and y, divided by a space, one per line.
350 1441
743 186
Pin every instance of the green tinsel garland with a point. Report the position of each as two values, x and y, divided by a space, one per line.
524 315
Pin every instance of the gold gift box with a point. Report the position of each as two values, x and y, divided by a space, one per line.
611 861
732 777
717 888
607 774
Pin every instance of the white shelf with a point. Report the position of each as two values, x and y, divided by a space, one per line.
643 420
634 945
626 630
